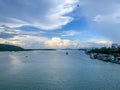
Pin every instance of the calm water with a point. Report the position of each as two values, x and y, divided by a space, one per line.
54 70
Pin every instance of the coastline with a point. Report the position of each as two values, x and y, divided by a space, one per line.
107 56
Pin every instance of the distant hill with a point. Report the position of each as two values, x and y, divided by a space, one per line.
6 47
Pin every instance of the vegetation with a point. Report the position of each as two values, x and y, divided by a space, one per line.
105 50
6 47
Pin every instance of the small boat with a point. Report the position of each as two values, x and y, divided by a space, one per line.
112 59
66 53
118 60
93 56
26 56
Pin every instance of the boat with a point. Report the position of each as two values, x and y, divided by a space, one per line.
66 53
93 56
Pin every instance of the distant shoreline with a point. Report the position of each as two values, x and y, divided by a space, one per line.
38 50
7 47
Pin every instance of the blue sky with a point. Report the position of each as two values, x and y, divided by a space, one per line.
59 23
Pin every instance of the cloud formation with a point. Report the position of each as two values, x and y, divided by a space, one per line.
103 16
59 23
45 14
38 39
57 42
70 33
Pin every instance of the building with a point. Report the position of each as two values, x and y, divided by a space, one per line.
114 46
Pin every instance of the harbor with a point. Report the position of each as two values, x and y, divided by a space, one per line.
111 54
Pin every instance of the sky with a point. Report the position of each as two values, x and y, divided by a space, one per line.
60 23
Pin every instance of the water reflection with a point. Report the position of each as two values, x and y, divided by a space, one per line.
16 63
54 70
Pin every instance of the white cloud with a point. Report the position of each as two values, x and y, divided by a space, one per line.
98 18
57 42
108 19
103 16
44 14
70 33
12 22
26 41
103 42
36 40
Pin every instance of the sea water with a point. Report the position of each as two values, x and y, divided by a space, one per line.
54 70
